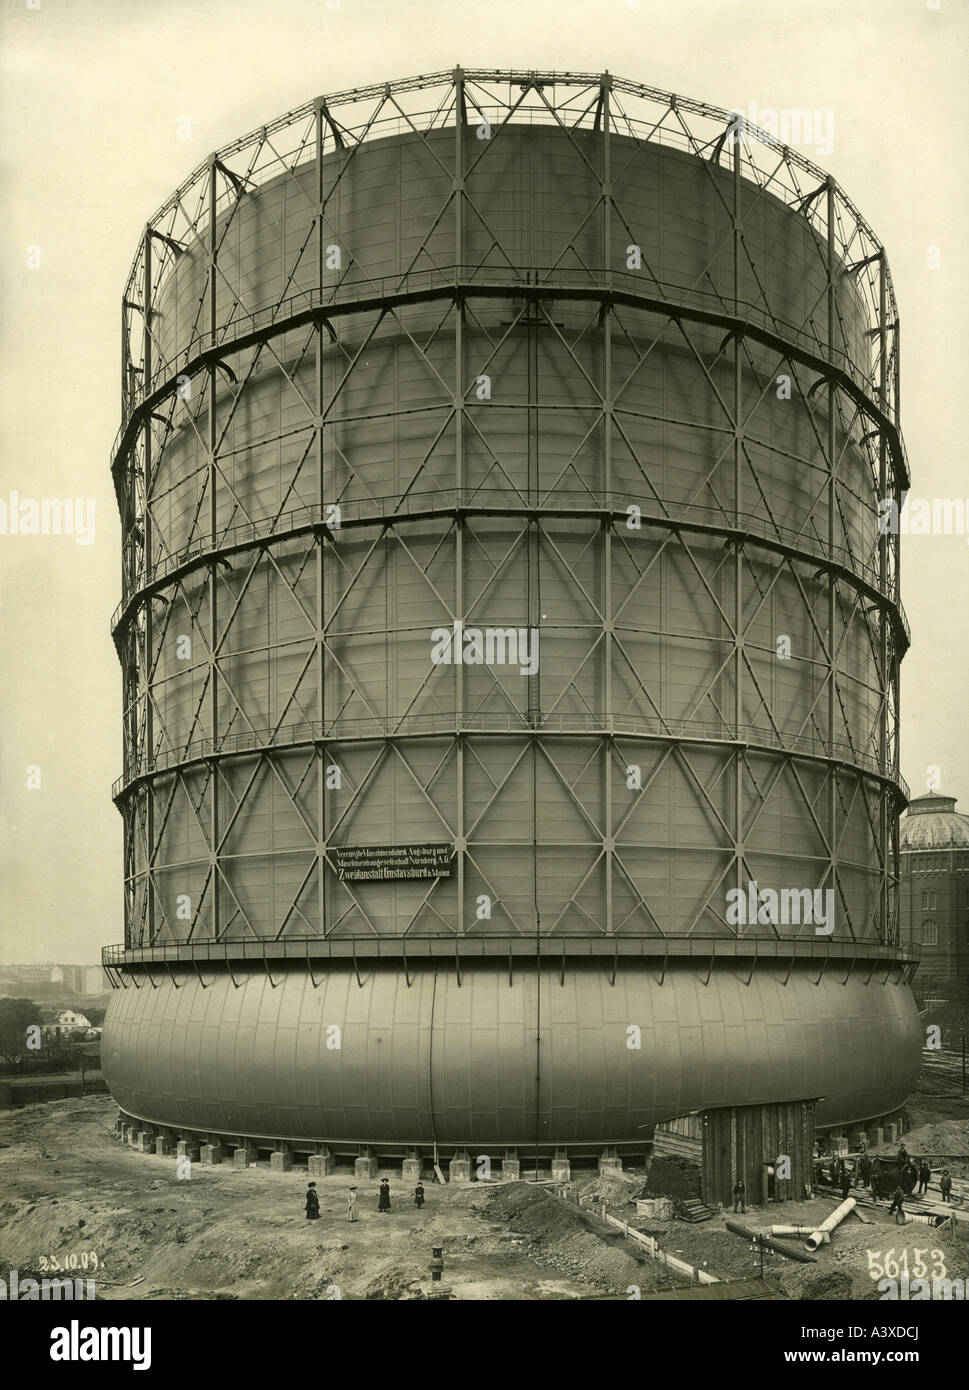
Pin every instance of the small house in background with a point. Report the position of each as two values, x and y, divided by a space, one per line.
68 1021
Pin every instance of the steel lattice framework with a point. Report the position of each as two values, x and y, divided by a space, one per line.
230 339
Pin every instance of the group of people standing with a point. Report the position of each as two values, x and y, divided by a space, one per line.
383 1200
886 1179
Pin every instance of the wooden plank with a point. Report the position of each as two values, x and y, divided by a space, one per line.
732 1290
649 1244
732 1155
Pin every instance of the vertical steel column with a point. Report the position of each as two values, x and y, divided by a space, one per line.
832 499
605 87
738 493
125 355
319 541
533 602
898 373
213 568
144 756
897 548
533 535
459 522
887 676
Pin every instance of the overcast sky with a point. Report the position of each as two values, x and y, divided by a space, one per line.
92 92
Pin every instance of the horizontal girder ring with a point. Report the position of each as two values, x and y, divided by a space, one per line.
550 949
739 533
458 291
846 759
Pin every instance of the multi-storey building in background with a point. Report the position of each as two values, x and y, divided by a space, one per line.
934 840
78 979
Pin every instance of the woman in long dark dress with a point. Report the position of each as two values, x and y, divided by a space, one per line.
383 1203
312 1203
419 1196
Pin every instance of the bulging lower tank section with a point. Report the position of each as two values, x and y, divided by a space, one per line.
428 1062
500 489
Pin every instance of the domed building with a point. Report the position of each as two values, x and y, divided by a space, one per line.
934 844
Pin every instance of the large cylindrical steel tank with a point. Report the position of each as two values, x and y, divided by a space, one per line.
506 605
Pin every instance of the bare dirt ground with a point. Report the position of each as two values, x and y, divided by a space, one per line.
68 1187
842 1268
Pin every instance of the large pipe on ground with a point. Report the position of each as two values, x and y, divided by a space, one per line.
739 1230
926 1218
823 1232
792 1230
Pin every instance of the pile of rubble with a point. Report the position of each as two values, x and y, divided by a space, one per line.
572 1241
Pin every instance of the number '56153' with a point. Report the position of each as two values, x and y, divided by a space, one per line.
893 1267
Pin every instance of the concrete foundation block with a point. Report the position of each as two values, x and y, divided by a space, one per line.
511 1169
164 1146
411 1170
146 1141
211 1153
610 1165
321 1165
281 1161
364 1167
243 1156
561 1170
459 1170
187 1148
133 1134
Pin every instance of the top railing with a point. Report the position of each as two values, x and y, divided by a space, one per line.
361 125
571 102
